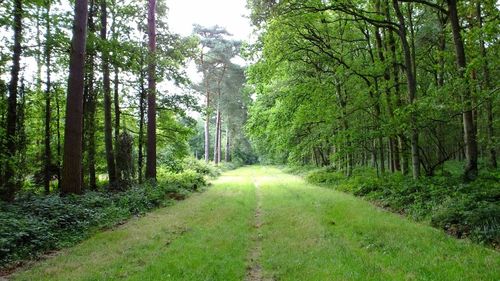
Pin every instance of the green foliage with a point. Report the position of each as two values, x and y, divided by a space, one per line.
186 180
461 209
201 167
34 223
324 176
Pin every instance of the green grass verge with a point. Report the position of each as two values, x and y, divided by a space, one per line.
202 238
308 233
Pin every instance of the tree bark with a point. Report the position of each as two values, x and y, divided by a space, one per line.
72 162
151 155
90 106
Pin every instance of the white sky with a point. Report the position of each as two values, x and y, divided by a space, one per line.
226 13
230 14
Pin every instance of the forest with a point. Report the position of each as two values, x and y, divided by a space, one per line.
342 140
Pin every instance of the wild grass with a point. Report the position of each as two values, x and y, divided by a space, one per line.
308 233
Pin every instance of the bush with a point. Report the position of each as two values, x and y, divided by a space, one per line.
34 223
461 209
324 176
188 180
201 167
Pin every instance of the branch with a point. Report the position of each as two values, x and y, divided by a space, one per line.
432 5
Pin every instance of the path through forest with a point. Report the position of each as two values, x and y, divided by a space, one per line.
257 223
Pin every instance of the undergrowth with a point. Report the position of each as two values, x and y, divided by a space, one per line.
35 223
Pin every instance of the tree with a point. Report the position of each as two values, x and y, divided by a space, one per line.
151 141
208 36
108 134
72 157
9 177
90 99
311 51
48 89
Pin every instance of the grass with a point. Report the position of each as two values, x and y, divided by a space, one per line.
308 233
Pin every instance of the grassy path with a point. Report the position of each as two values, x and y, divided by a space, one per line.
257 223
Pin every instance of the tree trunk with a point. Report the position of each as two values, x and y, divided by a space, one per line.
90 106
10 184
151 155
142 113
72 163
219 149
470 135
227 152
117 104
217 135
207 110
108 135
48 85
117 120
207 128
412 89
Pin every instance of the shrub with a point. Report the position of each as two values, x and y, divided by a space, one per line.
35 223
324 176
201 167
188 179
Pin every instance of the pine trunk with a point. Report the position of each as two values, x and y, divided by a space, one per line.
72 162
151 146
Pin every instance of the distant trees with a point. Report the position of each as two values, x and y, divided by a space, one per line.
220 87
207 64
330 77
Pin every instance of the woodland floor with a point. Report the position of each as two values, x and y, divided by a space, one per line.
258 223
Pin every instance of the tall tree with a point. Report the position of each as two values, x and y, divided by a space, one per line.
48 85
91 100
72 156
10 184
151 141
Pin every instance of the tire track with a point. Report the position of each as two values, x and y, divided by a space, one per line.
254 269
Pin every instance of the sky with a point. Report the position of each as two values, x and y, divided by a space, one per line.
231 14
226 13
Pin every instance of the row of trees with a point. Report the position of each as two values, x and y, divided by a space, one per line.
405 84
105 77
226 99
